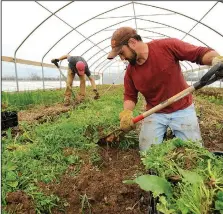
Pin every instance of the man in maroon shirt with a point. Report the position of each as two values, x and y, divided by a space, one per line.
154 71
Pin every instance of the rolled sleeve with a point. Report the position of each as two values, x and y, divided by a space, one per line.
186 51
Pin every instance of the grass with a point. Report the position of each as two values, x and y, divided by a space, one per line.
14 101
37 153
212 99
27 99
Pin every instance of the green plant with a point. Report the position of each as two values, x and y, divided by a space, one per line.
85 204
182 168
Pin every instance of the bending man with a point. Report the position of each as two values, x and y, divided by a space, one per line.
77 65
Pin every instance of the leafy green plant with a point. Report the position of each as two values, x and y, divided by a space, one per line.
219 201
184 167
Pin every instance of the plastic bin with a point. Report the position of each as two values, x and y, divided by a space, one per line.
9 119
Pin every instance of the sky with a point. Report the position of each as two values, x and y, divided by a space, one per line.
87 31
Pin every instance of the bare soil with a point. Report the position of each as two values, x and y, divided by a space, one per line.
19 203
100 189
96 189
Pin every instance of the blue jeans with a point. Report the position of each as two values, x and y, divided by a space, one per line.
183 123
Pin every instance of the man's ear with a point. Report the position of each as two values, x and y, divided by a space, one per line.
132 42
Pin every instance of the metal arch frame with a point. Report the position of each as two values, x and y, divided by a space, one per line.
86 38
145 30
83 24
29 36
140 29
133 5
181 15
105 13
135 18
97 44
79 26
156 33
97 33
187 33
200 20
63 22
177 29
158 14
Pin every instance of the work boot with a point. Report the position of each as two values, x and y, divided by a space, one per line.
80 98
66 101
97 96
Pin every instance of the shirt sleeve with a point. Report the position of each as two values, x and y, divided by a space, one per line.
69 58
130 92
186 51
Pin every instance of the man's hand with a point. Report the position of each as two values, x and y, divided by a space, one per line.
55 61
97 96
126 123
216 60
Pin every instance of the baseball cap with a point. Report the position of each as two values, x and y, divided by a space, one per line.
119 38
80 67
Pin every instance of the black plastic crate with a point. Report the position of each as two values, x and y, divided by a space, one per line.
9 119
218 153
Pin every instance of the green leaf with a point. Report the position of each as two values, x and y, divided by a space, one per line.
181 206
9 167
220 196
219 205
178 142
13 183
11 176
153 183
162 206
190 177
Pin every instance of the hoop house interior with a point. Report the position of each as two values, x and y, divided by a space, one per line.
49 29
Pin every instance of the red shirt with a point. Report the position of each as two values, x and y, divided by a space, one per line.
160 77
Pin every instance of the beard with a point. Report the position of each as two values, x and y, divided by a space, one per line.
133 58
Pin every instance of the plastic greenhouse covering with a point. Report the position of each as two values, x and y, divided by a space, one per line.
41 30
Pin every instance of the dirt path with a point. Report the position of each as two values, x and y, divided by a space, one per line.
211 123
43 113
